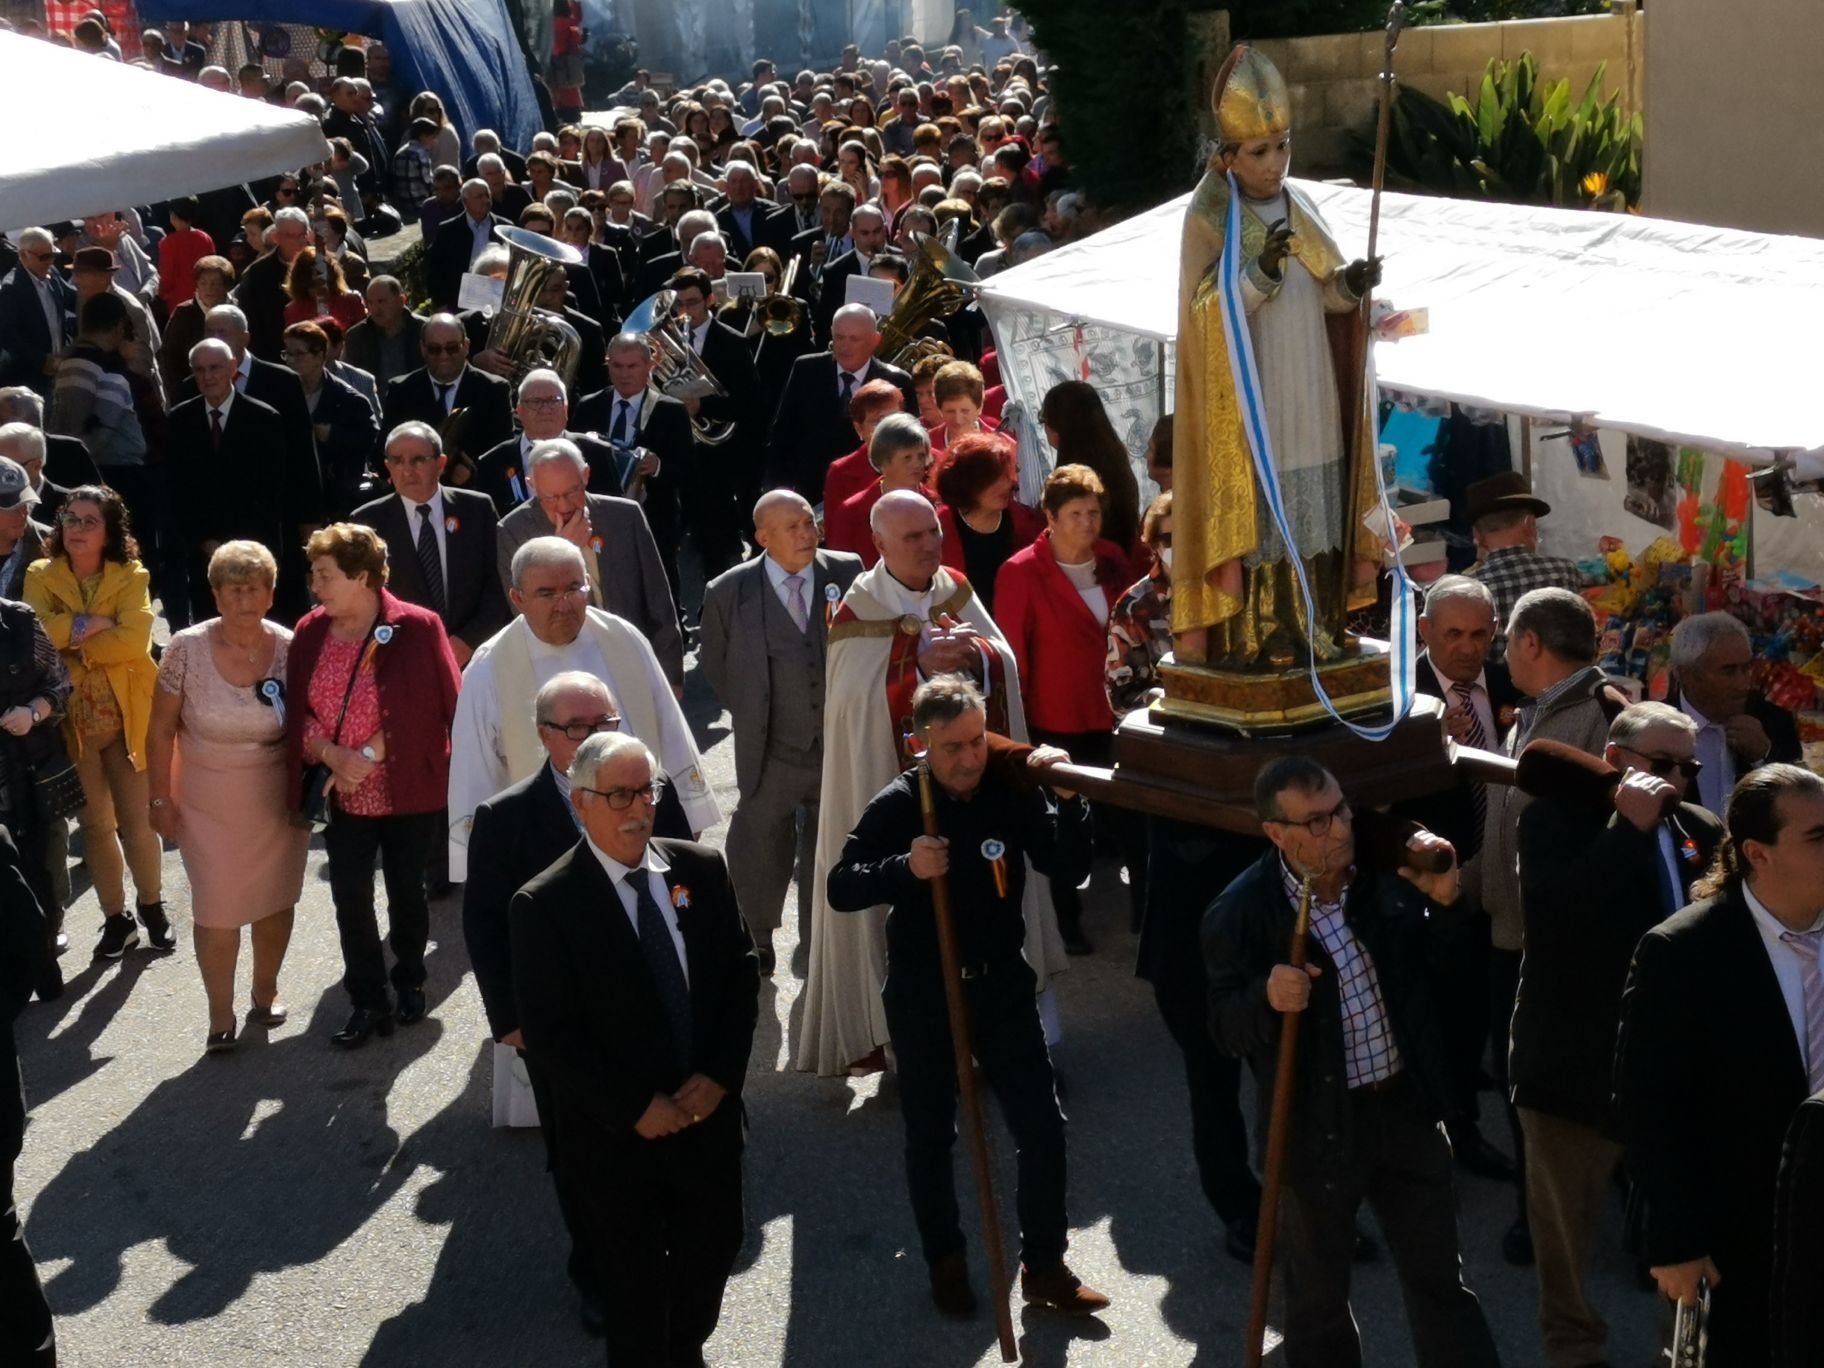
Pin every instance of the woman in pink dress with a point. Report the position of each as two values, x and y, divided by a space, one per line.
216 774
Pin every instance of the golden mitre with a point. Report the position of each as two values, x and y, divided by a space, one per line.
1251 97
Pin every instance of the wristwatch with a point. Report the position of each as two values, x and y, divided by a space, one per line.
369 753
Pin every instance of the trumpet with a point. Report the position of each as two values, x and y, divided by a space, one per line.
678 371
1691 1331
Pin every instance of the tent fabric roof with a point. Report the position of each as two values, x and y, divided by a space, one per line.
464 50
1678 331
128 136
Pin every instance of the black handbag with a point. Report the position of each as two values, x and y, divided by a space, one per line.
57 788
314 808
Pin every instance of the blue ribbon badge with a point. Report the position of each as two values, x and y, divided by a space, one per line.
272 694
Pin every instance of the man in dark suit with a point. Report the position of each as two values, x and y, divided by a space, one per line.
518 834
261 290
731 464
603 265
442 559
542 407
385 343
37 314
764 634
459 242
638 992
868 234
510 197
470 409
1713 685
66 463
1722 1038
813 425
1607 850
224 480
1457 624
620 558
486 141
747 221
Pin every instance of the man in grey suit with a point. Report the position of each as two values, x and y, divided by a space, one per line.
765 626
626 577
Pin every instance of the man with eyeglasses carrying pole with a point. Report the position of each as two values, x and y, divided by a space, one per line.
518 834
1369 1083
1608 849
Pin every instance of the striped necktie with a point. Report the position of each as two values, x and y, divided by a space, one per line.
429 561
1805 945
1476 737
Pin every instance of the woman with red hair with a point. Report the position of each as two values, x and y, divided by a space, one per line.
983 523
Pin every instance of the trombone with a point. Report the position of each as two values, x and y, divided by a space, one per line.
780 314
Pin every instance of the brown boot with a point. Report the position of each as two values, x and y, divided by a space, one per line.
950 1290
1058 1289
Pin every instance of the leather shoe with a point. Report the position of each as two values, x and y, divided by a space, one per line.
1238 1239
950 1290
411 1006
362 1023
1470 1148
1058 1289
763 951
593 1314
1517 1244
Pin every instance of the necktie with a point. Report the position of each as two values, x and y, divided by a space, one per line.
848 391
1805 945
618 434
430 561
443 397
1474 736
662 965
801 614
215 428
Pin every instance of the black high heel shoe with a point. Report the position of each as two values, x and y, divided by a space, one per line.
219 1042
362 1023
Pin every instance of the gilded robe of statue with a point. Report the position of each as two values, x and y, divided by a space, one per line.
1306 336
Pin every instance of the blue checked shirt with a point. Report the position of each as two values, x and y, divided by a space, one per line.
1369 1052
1514 571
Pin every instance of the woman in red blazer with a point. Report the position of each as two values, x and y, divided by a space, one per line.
983 523
1052 602
849 475
370 692
900 452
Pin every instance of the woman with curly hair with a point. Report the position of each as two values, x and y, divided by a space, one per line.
316 288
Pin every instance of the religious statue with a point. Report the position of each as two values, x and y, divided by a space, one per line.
1295 305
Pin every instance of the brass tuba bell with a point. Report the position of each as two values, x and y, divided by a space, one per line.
530 337
940 284
677 369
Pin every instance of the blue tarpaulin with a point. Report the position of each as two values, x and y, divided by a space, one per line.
463 50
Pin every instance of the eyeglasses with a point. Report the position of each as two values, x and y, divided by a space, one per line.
79 522
621 799
286 190
553 595
1318 823
581 731
1661 766
444 348
546 401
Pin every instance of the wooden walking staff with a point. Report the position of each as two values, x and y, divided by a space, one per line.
1279 1131
1396 20
965 1083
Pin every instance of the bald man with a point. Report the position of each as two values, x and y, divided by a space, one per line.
764 632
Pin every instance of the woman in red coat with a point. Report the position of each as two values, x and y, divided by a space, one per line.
983 523
318 290
853 473
900 452
1052 602
370 692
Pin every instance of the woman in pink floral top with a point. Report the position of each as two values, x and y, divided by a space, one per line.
1140 627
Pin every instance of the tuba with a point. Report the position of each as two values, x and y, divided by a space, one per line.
677 369
531 337
941 283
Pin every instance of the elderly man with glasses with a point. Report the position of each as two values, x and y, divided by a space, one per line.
470 409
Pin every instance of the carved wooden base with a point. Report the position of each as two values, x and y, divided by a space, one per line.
1257 703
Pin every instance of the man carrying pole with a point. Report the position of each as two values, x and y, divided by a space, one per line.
991 820
1368 1087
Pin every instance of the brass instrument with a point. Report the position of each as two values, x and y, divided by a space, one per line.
677 369
530 337
1691 1331
779 313
940 284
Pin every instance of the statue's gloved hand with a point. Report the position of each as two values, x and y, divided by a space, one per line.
1362 276
1279 243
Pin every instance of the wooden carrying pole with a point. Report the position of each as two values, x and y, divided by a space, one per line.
1279 1130
1396 20
966 1087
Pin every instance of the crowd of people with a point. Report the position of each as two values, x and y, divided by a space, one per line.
436 601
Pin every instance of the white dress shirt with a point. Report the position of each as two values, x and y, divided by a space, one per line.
1787 967
241 372
481 235
53 311
634 405
1716 781
413 518
656 869
860 378
226 404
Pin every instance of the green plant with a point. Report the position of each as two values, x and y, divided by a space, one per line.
1520 141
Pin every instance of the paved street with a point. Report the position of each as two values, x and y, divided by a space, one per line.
294 1205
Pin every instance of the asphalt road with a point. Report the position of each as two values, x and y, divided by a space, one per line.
291 1204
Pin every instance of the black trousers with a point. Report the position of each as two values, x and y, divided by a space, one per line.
663 1219
581 1264
26 1334
1009 1044
1503 985
403 844
1401 1165
1219 1133
1127 828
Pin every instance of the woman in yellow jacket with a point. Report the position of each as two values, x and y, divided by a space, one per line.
91 594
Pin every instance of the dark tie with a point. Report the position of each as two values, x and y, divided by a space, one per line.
430 561
443 398
848 392
215 428
618 434
1473 736
662 966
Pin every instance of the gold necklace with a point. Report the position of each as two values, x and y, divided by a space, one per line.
253 652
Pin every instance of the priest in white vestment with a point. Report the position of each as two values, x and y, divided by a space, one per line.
494 740
906 619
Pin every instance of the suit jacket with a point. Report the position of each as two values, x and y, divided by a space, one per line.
22 931
67 462
604 267
515 164
34 535
501 471
772 227
279 388
475 606
261 295
25 334
629 572
1708 1074
663 429
362 348
484 401
347 454
591 1018
1451 812
447 258
592 350
517 834
812 427
732 647
832 289
729 359
1591 884
656 269
1798 1312
238 490
1781 728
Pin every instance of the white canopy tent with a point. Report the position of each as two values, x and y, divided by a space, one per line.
1689 334
124 135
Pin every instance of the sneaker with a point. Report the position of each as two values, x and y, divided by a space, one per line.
118 935
1058 1289
159 934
